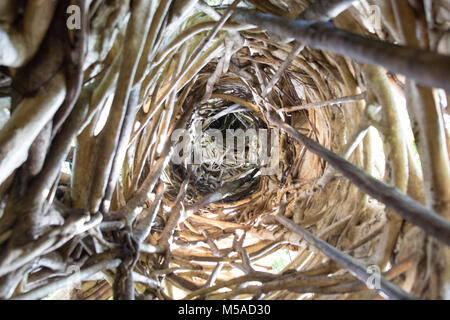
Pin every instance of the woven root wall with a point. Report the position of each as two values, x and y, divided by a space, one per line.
90 192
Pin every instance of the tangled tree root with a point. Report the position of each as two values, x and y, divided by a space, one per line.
338 190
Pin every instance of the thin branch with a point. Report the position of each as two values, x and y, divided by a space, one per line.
344 260
347 99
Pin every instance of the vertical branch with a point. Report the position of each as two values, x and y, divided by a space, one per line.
25 124
395 151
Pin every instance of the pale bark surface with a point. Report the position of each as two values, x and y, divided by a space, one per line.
89 192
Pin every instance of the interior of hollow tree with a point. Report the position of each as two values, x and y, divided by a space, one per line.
220 149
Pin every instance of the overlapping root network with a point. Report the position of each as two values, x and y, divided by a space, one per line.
224 150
